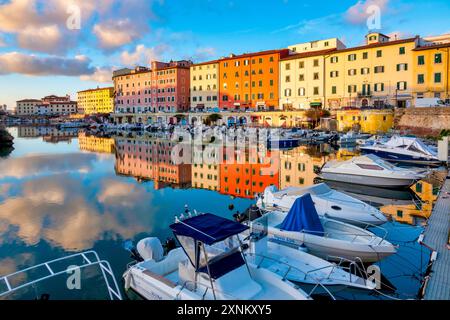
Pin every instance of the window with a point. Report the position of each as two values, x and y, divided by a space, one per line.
369 166
288 66
301 92
301 64
365 55
352 72
365 70
288 78
438 58
421 60
301 77
402 67
316 62
379 53
402 50
420 79
271 59
379 69
351 88
333 90
316 91
437 77
400 213
316 76
287 92
401 85
351 57
334 74
334 59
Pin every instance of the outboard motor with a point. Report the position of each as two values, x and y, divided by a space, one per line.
150 249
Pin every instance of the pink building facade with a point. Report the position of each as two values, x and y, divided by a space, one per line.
162 88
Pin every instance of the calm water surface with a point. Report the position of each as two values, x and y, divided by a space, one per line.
68 192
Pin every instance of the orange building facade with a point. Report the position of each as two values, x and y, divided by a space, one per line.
246 174
250 81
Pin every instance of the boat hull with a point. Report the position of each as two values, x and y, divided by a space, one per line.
401 158
372 181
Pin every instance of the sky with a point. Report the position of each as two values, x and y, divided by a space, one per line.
64 46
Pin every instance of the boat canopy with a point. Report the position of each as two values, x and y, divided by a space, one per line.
303 217
207 228
220 252
410 143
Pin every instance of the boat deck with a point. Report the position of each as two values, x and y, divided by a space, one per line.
436 236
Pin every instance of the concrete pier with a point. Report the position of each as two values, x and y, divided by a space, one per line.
436 236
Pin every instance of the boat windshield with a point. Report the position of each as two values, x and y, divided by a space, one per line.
369 166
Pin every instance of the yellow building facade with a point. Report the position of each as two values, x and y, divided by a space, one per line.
376 74
95 144
302 80
367 121
298 167
431 71
205 85
96 101
205 176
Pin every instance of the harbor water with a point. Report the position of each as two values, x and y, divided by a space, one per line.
63 192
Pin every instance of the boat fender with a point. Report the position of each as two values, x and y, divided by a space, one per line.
150 249
303 248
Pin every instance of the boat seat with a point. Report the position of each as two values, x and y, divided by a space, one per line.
166 266
160 278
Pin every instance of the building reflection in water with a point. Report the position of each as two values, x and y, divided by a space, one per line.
93 143
151 159
246 172
49 134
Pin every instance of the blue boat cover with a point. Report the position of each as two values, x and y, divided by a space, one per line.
207 228
303 217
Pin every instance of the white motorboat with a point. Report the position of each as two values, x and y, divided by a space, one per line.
73 125
352 137
324 237
298 266
370 170
328 203
209 265
404 150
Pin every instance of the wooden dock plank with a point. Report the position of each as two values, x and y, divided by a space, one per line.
436 236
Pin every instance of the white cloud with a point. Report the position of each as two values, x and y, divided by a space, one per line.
47 39
143 55
357 14
204 53
16 62
116 22
115 34
102 74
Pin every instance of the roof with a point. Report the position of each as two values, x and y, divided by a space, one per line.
98 89
207 228
254 54
29 100
433 46
379 44
205 63
302 55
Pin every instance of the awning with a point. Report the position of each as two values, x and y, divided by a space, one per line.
315 104
207 228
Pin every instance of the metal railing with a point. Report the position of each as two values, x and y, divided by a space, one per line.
318 283
105 267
